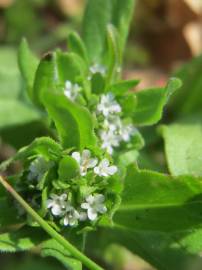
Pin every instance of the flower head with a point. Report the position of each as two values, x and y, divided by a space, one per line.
57 204
126 131
97 68
94 204
109 140
103 169
71 90
85 161
108 105
71 216
38 168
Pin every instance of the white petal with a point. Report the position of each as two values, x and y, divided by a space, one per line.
68 84
56 210
85 205
97 170
49 203
104 163
90 199
92 162
92 214
77 156
102 208
63 196
112 170
82 216
66 220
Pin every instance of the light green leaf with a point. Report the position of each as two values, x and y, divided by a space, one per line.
73 122
121 18
76 45
183 146
54 249
156 213
96 18
150 103
121 87
68 168
28 63
21 240
14 112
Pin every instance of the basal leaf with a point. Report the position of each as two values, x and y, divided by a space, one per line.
156 213
150 103
28 63
73 122
54 249
183 147
23 239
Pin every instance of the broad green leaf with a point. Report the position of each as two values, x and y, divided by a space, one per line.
73 122
121 18
183 147
28 63
76 45
156 213
23 239
150 103
121 87
96 18
54 249
187 100
14 112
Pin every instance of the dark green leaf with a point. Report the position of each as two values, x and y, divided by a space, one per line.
76 45
68 168
121 87
73 122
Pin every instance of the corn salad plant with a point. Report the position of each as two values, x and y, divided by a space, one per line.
79 189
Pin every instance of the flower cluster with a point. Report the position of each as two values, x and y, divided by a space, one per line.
114 130
71 211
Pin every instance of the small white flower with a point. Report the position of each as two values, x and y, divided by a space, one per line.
85 161
108 105
71 216
103 169
94 204
97 68
57 204
71 90
109 140
38 168
126 131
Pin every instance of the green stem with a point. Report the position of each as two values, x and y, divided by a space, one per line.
73 251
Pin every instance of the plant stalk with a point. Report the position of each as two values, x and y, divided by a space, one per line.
65 243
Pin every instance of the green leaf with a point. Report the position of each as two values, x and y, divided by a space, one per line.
150 103
44 146
121 87
69 67
54 249
15 112
183 146
187 100
28 63
97 16
113 57
121 18
45 79
156 213
68 168
23 239
76 45
73 122
10 81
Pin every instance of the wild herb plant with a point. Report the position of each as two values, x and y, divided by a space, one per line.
81 184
